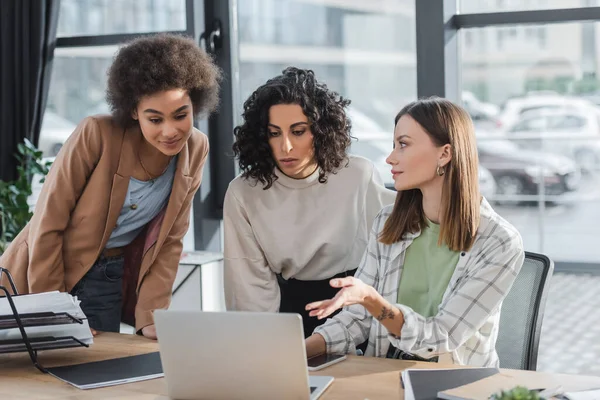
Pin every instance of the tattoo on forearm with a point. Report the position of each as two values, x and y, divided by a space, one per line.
385 313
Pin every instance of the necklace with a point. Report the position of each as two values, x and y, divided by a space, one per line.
150 178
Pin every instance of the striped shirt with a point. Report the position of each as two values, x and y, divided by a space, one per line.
465 328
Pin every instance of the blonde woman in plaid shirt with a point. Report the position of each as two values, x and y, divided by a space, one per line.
439 261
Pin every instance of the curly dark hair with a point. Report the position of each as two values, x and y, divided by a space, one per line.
324 108
160 62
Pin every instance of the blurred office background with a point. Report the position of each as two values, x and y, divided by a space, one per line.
528 72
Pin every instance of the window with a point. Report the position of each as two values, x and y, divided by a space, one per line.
526 110
530 33
542 37
532 124
546 92
481 6
102 17
77 89
78 82
499 38
468 39
566 122
364 51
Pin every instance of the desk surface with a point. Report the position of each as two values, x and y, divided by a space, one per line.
357 378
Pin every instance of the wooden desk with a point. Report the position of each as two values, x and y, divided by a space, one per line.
357 378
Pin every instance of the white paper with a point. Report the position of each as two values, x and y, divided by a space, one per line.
43 302
111 383
584 395
408 392
56 302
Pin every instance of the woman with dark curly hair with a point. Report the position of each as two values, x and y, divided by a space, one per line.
109 222
301 211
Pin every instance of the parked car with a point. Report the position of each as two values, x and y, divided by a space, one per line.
484 115
472 102
593 97
487 183
523 172
55 131
513 108
573 131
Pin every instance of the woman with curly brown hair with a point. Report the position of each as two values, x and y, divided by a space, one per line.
109 222
301 211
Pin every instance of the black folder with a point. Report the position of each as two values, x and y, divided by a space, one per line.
112 372
424 384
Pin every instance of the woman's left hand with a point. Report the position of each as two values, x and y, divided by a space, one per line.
353 291
149 331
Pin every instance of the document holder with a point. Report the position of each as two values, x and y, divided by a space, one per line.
33 345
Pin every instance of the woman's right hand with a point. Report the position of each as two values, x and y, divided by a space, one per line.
352 291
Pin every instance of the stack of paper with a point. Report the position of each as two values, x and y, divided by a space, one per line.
49 302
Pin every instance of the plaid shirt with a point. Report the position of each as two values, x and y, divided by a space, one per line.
465 329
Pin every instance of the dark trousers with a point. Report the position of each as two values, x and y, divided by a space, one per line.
296 294
101 293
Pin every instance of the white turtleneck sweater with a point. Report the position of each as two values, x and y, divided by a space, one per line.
300 228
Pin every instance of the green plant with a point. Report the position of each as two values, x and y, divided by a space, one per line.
517 393
15 212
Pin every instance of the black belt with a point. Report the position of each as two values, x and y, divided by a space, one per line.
293 281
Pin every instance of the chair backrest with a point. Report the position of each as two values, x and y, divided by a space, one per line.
522 313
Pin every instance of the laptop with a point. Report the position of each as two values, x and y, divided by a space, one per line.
235 355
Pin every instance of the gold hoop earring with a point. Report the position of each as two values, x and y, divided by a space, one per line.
440 170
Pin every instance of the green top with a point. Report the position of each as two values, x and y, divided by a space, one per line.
426 273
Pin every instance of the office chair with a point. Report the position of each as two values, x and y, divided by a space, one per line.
522 313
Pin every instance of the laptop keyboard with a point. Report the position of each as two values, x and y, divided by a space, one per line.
312 389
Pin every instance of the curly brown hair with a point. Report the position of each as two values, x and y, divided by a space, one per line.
152 64
324 108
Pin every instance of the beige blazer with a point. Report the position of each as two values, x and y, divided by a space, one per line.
78 208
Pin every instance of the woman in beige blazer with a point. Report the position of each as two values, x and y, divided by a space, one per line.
109 222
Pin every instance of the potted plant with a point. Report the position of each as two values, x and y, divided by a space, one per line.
517 393
15 211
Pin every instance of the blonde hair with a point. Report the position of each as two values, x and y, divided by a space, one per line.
445 123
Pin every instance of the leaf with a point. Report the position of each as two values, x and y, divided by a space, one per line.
29 145
15 211
517 393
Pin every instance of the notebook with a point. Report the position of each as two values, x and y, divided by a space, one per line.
425 384
112 372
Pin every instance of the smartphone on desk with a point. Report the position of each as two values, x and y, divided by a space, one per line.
324 360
